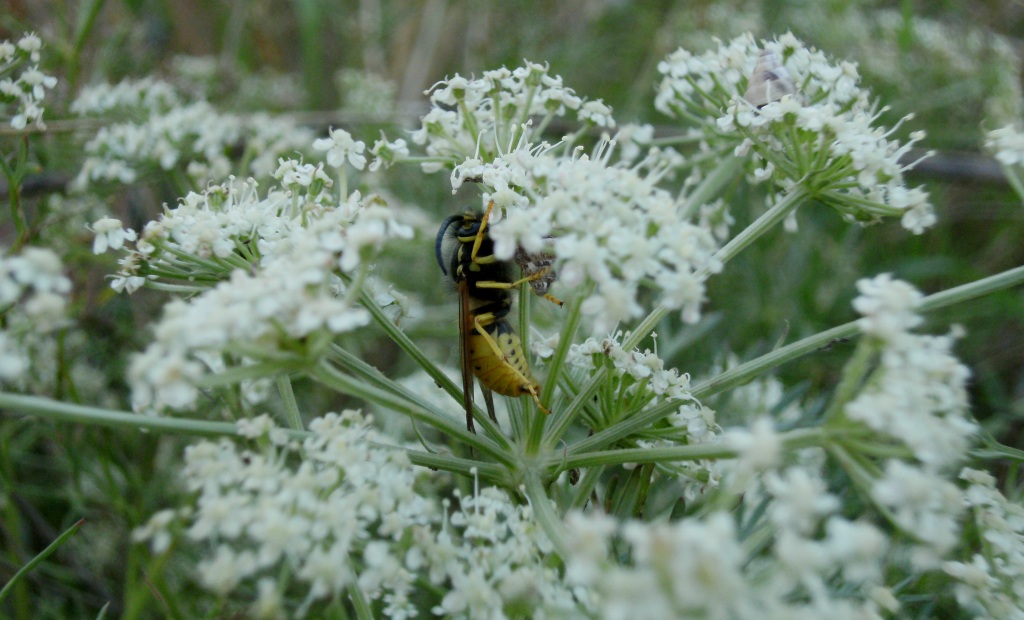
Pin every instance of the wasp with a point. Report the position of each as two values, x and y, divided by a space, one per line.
490 348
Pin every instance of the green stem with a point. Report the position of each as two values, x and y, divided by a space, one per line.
45 553
621 429
253 372
745 372
724 173
1014 180
561 419
565 339
545 514
525 426
854 374
291 407
644 455
757 228
360 369
584 488
488 472
14 176
362 607
95 416
87 19
973 290
175 288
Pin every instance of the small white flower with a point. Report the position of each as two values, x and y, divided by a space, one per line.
340 147
597 113
110 235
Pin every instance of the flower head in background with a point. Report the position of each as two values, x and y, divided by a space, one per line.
480 118
33 305
817 134
164 131
22 85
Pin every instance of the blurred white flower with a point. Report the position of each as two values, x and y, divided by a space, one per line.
889 306
924 505
1007 145
26 90
110 235
163 130
918 395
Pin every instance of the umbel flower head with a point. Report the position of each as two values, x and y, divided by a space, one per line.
818 134
611 228
481 117
275 275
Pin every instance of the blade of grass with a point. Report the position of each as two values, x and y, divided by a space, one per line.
45 553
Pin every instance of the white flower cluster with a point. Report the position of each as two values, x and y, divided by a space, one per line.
613 229
167 133
758 446
918 394
33 303
822 139
110 235
492 559
700 567
889 307
1007 145
923 504
991 584
640 377
478 118
277 262
645 367
338 518
28 89
341 511
142 98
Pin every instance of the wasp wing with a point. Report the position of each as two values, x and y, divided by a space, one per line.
465 330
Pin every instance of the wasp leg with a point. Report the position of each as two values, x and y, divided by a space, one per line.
489 400
511 285
480 233
479 323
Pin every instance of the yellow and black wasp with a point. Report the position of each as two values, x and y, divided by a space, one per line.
490 349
